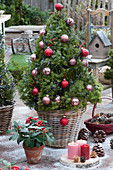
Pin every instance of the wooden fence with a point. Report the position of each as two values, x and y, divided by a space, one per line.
77 9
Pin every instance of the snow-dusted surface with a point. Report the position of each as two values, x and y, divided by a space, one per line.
11 151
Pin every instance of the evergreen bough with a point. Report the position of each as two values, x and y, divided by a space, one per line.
109 72
77 75
6 81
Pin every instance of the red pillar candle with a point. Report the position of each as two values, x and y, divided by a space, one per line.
73 149
80 142
85 151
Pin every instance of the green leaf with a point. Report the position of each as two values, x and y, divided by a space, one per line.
1 160
31 144
27 142
19 139
15 124
35 134
37 144
49 139
9 131
6 163
15 136
12 163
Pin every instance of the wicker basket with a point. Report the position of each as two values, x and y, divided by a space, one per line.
63 134
108 128
5 118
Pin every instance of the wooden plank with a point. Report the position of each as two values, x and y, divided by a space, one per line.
101 10
78 13
94 2
64 3
98 3
108 17
112 28
89 3
103 16
100 26
73 10
55 1
88 28
69 7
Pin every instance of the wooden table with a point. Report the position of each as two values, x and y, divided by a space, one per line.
96 64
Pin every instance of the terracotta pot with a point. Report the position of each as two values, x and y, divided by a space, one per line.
34 155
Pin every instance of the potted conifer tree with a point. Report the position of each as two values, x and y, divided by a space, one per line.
57 83
6 92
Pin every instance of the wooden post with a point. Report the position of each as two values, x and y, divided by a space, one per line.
112 41
88 28
112 88
112 28
73 12
69 6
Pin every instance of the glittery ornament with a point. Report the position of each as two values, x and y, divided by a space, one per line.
58 6
46 100
33 57
72 62
42 32
48 52
89 87
35 91
84 52
75 101
57 99
64 121
47 71
64 38
85 62
41 44
64 83
70 22
34 72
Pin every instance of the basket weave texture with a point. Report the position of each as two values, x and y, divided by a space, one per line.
63 134
5 118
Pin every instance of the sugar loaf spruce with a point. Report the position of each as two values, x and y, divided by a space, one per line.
57 78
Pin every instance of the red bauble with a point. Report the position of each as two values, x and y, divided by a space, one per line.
41 44
72 62
35 91
33 57
84 52
34 72
64 38
42 32
58 6
57 99
48 52
70 22
64 121
64 83
75 101
47 71
89 87
46 100
85 62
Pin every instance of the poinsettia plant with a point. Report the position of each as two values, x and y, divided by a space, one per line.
10 166
32 132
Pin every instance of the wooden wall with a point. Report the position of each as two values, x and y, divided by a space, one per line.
42 4
77 9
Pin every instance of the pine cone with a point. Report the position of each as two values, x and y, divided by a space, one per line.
99 136
83 134
111 143
99 149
